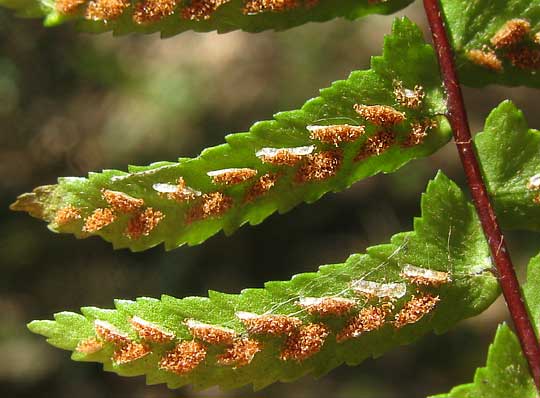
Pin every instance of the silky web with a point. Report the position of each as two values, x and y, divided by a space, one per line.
347 292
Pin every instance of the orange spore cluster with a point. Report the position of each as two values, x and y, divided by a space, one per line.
425 281
66 215
264 184
143 223
106 10
130 352
200 10
485 58
89 346
233 176
320 166
368 319
240 353
185 357
149 11
419 131
336 134
283 157
271 324
415 309
308 341
100 218
108 333
376 145
150 332
408 98
511 33
425 276
121 202
524 57
380 115
326 306
211 205
182 193
259 6
68 7
534 183
210 334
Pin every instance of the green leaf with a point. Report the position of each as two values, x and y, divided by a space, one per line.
506 373
171 17
509 154
496 41
208 204
531 291
452 281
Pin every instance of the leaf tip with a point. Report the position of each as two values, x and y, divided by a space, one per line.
508 113
34 203
507 105
39 327
440 179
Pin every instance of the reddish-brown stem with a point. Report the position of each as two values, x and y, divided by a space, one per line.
457 117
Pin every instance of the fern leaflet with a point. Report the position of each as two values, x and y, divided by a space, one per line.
170 17
424 280
509 153
375 121
496 41
506 373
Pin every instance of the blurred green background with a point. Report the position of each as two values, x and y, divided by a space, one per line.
71 103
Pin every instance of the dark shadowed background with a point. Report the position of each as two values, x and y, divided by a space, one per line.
71 103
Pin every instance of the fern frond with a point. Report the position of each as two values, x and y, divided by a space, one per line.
422 281
375 121
170 17
506 373
496 41
509 153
